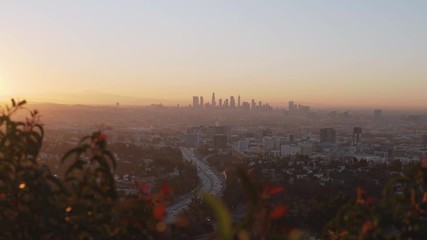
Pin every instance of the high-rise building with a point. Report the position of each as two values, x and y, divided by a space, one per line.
303 109
220 103
292 106
195 101
201 102
232 102
290 150
357 135
238 101
226 103
192 140
213 100
267 143
243 145
327 135
253 104
246 106
378 113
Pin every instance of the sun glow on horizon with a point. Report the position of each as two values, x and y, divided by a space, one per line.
2 86
6 86
5 89
346 54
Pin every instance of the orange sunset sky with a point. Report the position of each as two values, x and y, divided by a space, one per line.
323 53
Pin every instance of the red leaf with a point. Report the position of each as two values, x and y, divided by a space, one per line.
279 211
268 191
159 211
165 188
361 194
102 137
425 197
136 183
367 226
276 190
370 201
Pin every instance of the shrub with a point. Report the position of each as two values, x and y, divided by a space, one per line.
35 204
401 213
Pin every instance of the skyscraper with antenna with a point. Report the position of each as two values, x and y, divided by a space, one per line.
213 100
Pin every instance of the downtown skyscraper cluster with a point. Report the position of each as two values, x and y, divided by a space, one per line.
229 103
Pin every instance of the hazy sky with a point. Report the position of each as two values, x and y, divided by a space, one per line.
326 52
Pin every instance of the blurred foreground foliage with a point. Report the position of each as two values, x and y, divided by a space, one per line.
84 204
401 213
262 217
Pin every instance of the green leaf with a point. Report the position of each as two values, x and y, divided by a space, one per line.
57 182
78 151
221 214
78 164
111 157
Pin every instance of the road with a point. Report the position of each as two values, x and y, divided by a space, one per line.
209 181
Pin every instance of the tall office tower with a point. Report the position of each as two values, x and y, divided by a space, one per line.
195 101
291 106
357 135
253 104
238 101
201 101
259 104
220 103
246 106
327 135
226 103
232 102
213 100
378 113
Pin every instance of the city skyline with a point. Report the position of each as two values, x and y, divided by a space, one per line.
95 98
229 103
335 54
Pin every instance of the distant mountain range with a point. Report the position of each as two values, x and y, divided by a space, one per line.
88 97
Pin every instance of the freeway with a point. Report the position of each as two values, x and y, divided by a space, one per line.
209 181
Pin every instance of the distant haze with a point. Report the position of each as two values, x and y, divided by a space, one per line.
322 53
89 97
